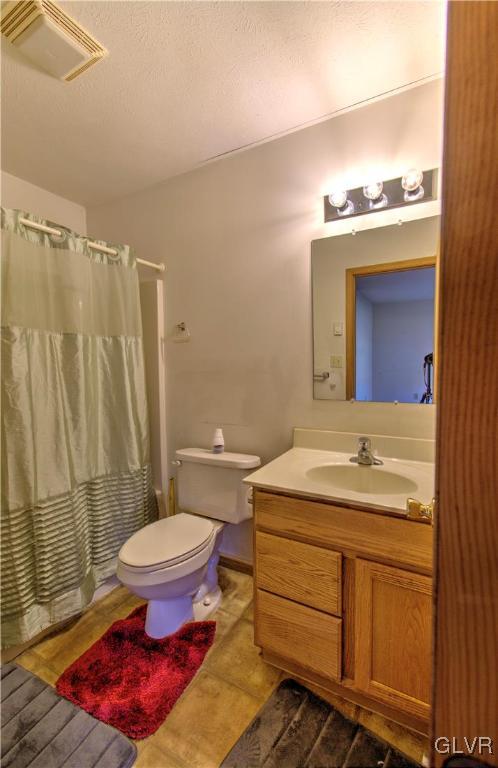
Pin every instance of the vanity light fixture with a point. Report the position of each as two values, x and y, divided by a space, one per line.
339 200
373 192
412 184
375 195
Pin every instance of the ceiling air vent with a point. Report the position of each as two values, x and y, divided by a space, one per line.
49 37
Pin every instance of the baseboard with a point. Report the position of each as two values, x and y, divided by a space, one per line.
236 565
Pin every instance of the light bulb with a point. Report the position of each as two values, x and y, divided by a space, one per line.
412 180
412 184
338 199
373 193
373 190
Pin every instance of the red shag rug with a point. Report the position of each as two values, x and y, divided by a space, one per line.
131 681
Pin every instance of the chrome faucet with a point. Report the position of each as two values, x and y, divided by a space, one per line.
365 455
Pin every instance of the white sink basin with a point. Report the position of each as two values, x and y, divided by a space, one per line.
329 475
361 479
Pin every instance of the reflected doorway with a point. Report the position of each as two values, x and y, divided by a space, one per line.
390 311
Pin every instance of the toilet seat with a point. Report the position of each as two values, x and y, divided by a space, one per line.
166 543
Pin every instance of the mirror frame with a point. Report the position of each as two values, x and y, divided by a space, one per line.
372 269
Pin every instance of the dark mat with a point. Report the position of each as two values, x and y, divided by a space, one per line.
40 729
296 729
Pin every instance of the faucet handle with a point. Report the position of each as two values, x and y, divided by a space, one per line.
364 443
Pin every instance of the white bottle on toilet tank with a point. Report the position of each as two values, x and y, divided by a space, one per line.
218 441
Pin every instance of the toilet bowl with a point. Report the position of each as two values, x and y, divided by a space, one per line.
172 563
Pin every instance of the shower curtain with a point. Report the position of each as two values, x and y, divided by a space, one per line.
76 478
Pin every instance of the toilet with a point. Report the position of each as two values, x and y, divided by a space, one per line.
172 563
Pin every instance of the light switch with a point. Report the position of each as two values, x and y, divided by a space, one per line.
338 329
336 361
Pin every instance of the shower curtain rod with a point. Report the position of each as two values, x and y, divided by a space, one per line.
95 246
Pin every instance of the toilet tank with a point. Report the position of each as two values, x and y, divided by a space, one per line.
210 484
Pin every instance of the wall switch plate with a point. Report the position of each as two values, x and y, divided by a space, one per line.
338 329
336 361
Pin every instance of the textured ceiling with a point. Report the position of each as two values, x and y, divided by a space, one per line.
186 81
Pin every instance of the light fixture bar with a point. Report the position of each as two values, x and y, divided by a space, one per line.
393 196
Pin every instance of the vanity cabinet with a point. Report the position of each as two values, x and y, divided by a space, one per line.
343 600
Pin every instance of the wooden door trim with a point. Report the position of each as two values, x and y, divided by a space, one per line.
351 274
465 698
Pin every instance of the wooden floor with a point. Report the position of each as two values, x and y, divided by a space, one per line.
224 696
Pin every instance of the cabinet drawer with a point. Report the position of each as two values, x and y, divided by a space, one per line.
384 538
301 572
300 634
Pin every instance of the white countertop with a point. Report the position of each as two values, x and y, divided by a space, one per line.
293 473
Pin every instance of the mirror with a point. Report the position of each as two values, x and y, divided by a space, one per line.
374 314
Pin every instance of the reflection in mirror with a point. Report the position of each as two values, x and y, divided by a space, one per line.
373 314
390 331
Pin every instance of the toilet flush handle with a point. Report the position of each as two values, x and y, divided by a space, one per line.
176 463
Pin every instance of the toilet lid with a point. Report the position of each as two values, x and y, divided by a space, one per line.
171 540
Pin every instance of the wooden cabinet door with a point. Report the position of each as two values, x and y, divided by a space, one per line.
393 636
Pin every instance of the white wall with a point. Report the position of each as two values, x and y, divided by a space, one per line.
18 193
403 334
235 235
